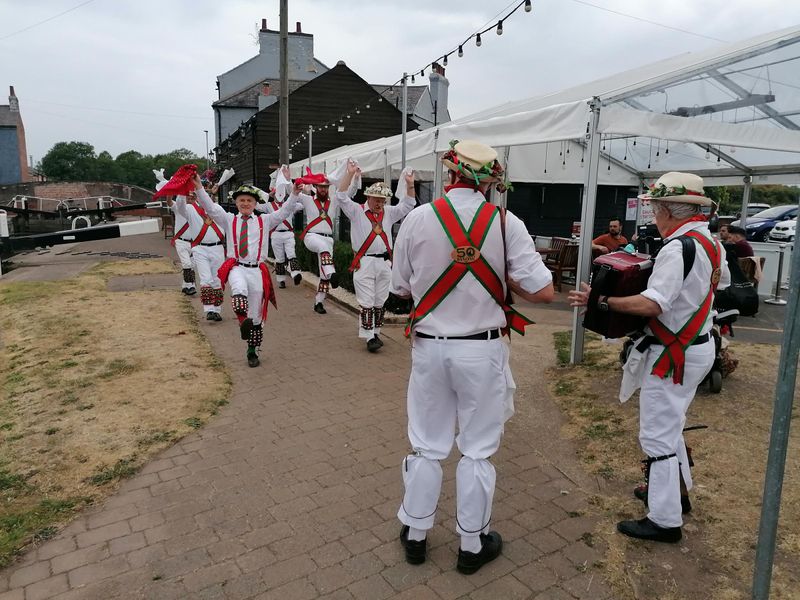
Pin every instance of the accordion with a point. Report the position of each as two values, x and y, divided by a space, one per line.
617 274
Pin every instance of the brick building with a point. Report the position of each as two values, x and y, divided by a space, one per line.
13 152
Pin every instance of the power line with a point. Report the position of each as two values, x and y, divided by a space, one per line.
657 24
113 110
5 37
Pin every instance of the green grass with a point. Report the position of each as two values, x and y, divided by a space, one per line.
34 522
194 422
118 367
565 387
562 341
124 467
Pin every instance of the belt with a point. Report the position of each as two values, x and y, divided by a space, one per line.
211 243
650 340
384 256
285 231
185 240
248 265
492 334
325 234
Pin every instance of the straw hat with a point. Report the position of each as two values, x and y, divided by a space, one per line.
249 190
378 190
678 187
474 160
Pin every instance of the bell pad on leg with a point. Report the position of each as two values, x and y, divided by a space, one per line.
366 318
324 286
188 275
380 311
326 259
207 295
218 296
256 336
294 264
239 304
280 268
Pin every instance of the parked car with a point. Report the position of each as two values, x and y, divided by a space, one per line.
753 209
783 231
760 224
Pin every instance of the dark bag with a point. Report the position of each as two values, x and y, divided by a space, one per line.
740 295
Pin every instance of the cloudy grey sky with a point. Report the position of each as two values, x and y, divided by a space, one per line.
140 74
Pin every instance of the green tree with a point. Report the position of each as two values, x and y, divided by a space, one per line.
70 161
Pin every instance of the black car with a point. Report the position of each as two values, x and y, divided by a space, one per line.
760 224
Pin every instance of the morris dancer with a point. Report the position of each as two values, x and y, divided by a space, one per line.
282 236
247 236
208 250
371 238
459 277
318 233
180 239
676 353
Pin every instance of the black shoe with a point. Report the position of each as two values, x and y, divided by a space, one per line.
373 344
378 340
415 550
282 284
334 280
216 317
252 359
297 279
645 529
491 546
640 493
245 328
319 308
210 316
189 291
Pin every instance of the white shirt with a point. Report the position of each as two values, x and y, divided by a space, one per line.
422 254
266 207
225 220
361 226
196 222
180 221
312 213
679 298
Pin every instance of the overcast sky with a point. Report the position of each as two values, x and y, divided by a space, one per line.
140 74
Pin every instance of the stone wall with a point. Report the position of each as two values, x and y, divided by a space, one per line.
63 190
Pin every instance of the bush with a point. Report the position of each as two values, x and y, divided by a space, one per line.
342 257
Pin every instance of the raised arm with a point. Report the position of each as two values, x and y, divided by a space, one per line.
407 196
287 209
180 207
213 210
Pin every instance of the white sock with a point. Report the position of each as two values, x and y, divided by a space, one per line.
471 543
416 535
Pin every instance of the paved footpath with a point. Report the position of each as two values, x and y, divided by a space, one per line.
291 492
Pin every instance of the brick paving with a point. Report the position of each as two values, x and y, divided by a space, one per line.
291 492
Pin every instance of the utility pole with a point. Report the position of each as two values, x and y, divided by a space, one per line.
310 144
405 121
284 108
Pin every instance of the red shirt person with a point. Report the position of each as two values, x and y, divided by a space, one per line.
611 241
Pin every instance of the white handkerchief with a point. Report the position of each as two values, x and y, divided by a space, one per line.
226 175
632 374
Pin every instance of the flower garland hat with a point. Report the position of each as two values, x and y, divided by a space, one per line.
378 190
686 188
474 160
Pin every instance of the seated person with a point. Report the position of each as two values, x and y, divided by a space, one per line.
723 234
737 240
611 241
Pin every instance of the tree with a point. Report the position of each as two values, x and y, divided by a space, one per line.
70 161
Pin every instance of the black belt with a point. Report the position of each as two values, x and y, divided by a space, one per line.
185 240
492 334
650 340
248 265
325 234
384 256
211 243
284 231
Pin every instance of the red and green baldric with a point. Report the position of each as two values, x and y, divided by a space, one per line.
377 230
467 258
323 209
673 359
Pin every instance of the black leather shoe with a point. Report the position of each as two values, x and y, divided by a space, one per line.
319 308
216 317
415 550
334 280
640 493
491 546
373 344
378 340
210 316
189 291
297 279
645 529
282 284
245 328
252 360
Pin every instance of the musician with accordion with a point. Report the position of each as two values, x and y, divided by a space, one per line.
674 351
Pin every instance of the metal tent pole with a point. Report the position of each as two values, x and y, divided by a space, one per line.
405 119
779 439
587 226
310 145
748 182
387 171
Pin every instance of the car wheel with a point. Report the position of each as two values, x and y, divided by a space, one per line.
761 236
716 381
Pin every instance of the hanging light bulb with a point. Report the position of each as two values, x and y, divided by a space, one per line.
422 73
380 98
478 40
500 27
444 61
528 6
708 153
358 111
367 105
460 51
412 79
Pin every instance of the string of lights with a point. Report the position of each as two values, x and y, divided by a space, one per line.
441 60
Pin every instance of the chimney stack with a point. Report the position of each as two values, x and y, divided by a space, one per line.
13 102
299 28
263 24
265 88
437 68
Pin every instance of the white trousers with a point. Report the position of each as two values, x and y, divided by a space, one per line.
662 416
283 249
319 244
247 282
184 250
371 282
208 260
463 381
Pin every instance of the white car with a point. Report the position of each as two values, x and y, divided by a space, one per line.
783 231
